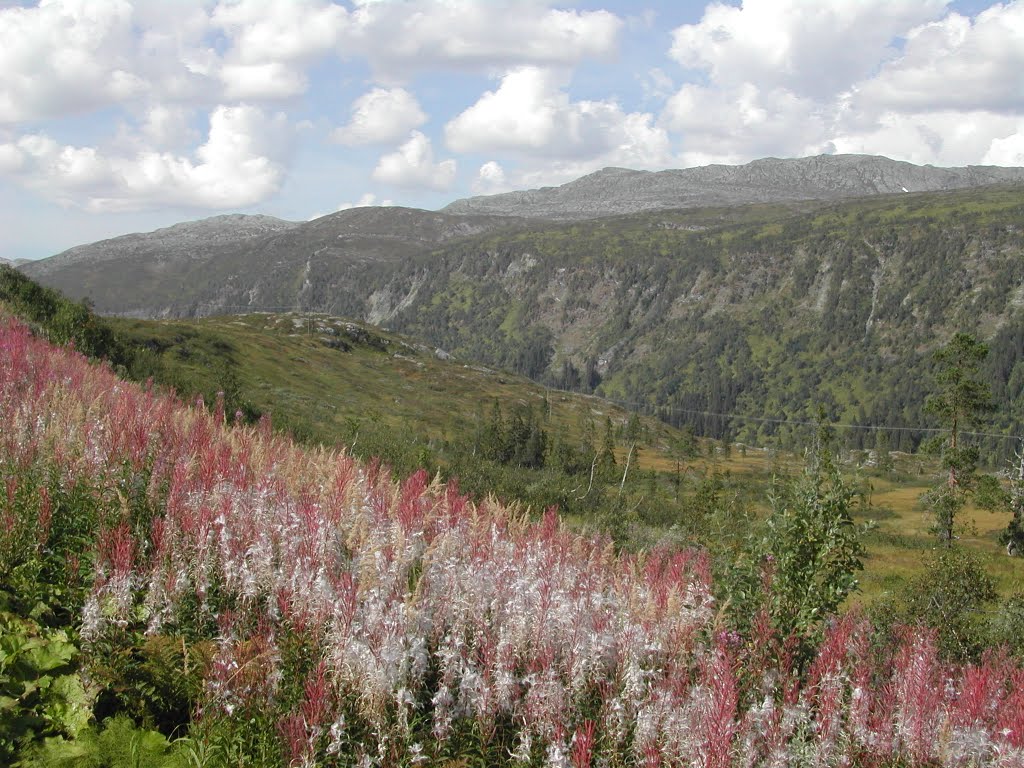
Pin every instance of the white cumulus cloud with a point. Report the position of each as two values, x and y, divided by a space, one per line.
264 80
532 114
381 116
65 57
412 165
273 42
956 63
903 78
403 39
733 125
240 164
1006 150
811 47
167 125
490 179
367 200
940 138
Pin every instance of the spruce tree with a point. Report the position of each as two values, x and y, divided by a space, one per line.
963 401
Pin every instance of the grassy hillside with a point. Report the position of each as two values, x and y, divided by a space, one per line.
697 316
325 377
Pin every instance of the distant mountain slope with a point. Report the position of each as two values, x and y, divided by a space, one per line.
192 240
615 191
227 263
766 317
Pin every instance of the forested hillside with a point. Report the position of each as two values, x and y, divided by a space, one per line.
839 307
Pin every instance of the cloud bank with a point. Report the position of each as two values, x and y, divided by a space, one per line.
128 105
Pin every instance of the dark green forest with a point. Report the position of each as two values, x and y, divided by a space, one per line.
839 307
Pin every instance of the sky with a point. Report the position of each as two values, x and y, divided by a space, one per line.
121 116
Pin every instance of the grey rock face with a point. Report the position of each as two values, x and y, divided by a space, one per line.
619 190
345 262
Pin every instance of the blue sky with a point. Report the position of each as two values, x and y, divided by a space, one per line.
125 115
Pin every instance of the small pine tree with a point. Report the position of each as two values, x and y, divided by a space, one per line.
534 450
634 429
492 438
883 460
963 400
588 438
606 459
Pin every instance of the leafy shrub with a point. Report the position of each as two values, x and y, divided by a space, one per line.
40 692
1006 625
157 680
948 596
119 744
797 573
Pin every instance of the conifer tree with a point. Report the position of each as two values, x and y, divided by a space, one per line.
884 460
606 459
492 440
963 401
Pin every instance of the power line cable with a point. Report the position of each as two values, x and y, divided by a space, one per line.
642 407
638 406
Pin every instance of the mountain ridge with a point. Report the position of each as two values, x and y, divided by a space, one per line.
194 238
613 190
248 261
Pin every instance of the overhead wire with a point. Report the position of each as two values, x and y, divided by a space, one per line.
642 407
800 422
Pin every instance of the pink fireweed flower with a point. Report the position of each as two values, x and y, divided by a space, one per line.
293 732
1009 724
583 745
718 720
919 695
